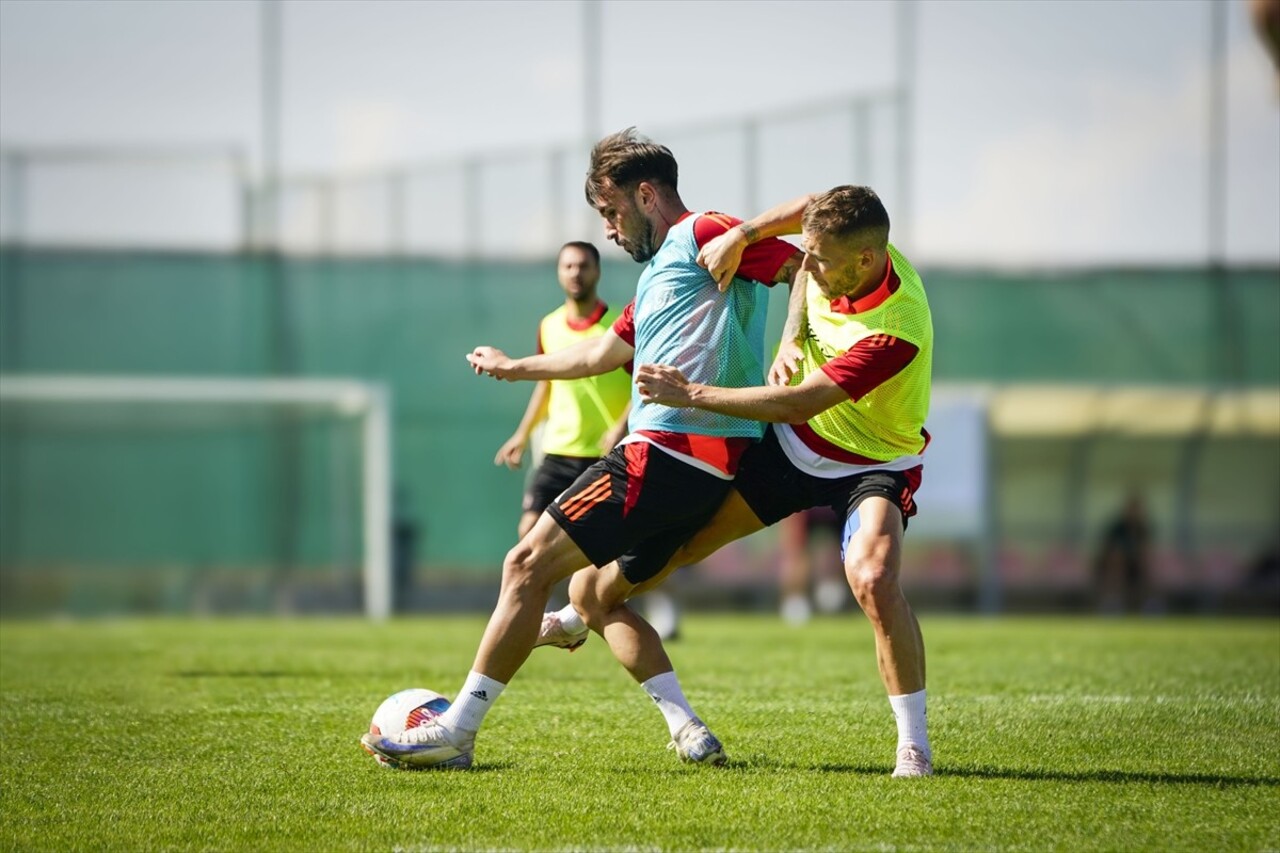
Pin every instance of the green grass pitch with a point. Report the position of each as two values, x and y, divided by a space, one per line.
242 735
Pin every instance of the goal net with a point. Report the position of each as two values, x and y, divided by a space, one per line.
177 494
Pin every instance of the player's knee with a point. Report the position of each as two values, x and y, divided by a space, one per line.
871 568
582 595
594 597
521 571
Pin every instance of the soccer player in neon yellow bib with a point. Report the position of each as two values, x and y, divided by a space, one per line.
583 418
847 399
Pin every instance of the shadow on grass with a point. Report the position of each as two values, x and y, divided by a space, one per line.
1215 780
1119 776
241 673
436 773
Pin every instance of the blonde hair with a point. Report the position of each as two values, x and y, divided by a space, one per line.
847 211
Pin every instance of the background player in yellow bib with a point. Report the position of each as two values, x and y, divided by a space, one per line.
847 399
584 418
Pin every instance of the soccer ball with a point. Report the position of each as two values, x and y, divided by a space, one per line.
404 710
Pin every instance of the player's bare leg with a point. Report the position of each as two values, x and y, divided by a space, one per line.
732 521
600 597
531 569
872 562
544 557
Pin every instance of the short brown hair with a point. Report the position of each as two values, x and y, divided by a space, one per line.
626 158
588 249
847 211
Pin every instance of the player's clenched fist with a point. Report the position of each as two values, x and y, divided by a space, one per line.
661 383
722 256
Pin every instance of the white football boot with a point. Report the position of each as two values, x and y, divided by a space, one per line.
430 745
553 633
695 743
912 762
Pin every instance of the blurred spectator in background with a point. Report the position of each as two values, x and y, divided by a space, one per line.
584 418
1266 20
811 562
1262 577
405 535
1122 571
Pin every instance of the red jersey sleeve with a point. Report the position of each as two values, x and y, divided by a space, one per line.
625 326
871 362
760 262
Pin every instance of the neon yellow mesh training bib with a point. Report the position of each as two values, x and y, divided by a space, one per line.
580 411
885 423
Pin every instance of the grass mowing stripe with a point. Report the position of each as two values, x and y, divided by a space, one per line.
238 734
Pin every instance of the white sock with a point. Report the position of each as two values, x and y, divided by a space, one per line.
909 711
665 691
795 609
662 612
476 697
570 620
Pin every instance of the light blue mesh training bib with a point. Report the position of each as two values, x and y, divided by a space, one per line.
715 338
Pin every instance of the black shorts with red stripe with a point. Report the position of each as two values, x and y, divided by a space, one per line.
637 505
555 474
774 488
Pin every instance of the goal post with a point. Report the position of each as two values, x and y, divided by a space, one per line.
367 402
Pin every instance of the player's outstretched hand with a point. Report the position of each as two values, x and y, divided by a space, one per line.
786 364
490 361
661 383
511 453
722 255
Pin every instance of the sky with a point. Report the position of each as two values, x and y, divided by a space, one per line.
1042 134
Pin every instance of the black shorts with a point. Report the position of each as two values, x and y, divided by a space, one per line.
637 505
554 475
774 488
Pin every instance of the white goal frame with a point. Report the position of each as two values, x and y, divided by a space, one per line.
370 402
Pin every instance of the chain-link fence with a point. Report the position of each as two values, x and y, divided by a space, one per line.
514 203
